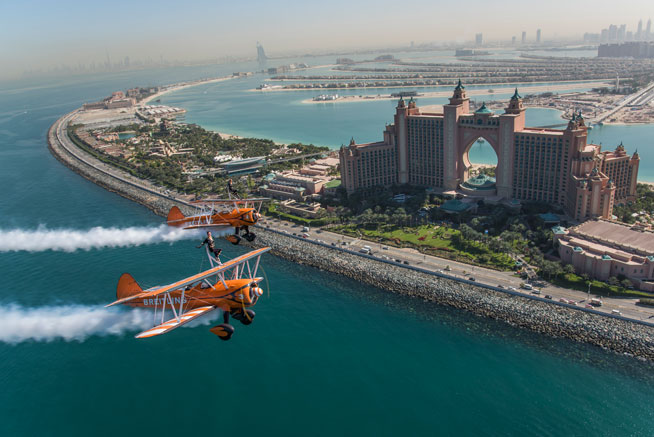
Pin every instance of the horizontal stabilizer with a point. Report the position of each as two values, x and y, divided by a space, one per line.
176 323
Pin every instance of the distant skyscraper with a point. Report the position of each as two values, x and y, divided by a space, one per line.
639 32
613 33
538 36
479 39
524 37
630 36
261 56
513 40
648 30
622 30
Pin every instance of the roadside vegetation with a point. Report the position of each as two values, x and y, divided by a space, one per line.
494 236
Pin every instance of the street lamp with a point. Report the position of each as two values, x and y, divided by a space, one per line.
589 291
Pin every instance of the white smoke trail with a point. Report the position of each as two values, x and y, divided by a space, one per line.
66 240
76 322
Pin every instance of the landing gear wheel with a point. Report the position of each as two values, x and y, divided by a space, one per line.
234 239
250 236
244 317
224 331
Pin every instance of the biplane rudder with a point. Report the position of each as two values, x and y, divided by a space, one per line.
127 286
174 216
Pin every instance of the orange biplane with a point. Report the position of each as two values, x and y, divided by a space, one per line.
232 287
213 213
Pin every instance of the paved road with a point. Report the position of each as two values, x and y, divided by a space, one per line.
626 306
643 95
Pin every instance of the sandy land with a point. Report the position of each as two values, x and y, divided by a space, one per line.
182 85
502 89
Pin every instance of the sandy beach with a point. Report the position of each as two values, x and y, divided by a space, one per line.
179 86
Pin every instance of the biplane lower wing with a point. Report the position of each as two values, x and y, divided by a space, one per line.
176 322
208 225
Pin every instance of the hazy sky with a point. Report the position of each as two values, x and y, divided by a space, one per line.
41 34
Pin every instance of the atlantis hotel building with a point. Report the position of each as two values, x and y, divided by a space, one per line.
533 164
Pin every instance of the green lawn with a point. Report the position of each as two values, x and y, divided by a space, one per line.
433 241
576 282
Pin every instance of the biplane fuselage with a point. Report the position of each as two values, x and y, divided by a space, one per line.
211 215
237 217
239 293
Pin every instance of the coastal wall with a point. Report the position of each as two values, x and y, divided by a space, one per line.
550 318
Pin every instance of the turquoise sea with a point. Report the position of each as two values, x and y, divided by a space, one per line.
324 356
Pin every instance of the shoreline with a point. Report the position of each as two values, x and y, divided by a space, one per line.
441 94
619 334
449 87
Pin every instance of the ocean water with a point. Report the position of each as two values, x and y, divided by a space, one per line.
324 355
233 107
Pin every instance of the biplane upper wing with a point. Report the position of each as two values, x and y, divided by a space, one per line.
176 322
195 278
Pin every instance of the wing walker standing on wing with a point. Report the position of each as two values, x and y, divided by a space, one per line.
232 287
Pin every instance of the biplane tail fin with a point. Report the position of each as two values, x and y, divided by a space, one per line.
174 216
127 287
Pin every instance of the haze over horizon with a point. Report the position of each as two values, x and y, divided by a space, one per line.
40 35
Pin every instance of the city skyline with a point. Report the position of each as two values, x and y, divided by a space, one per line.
74 33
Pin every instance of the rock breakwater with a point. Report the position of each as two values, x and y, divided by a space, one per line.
546 317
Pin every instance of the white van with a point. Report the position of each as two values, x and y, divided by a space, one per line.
527 286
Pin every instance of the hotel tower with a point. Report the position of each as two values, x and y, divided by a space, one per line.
533 164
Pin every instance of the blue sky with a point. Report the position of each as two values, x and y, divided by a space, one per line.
38 33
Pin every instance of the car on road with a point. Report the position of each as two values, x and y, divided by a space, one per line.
548 296
535 291
616 312
596 302
471 278
333 244
385 247
406 262
513 289
500 286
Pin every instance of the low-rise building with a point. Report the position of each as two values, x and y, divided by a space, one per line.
604 249
308 210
